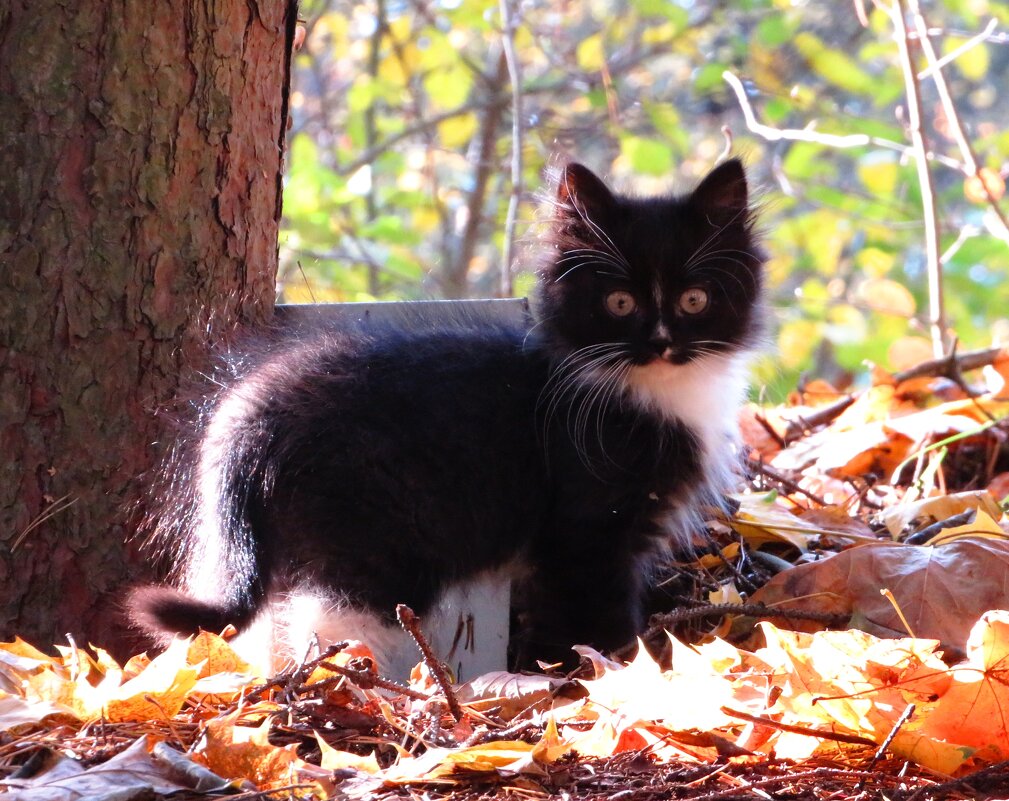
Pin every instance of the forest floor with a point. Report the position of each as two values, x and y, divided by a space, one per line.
845 642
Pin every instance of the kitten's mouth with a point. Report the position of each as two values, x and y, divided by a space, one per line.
672 355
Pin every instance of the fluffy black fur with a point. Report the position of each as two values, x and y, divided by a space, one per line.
387 464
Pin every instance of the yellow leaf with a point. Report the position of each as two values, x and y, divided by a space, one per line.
875 262
214 655
879 175
973 64
796 340
974 711
243 752
760 519
689 696
332 759
457 131
157 693
590 54
887 297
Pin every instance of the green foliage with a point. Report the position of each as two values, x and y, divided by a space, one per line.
399 164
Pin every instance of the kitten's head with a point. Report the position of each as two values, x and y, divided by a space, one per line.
668 279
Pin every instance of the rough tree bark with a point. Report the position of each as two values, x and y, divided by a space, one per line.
140 158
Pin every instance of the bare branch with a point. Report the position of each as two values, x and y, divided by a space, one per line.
971 165
510 20
915 129
422 126
484 148
934 65
809 134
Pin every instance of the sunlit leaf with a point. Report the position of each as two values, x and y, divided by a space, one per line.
647 156
887 297
834 65
591 53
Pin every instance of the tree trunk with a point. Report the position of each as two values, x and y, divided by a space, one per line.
140 159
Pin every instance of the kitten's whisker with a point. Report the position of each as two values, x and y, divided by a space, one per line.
583 264
719 230
700 258
569 372
599 232
533 327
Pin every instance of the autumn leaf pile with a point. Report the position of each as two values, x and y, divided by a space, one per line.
872 660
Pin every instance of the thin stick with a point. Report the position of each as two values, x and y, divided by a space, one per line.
900 612
822 734
934 70
411 623
808 134
915 129
936 65
948 366
881 751
366 681
509 17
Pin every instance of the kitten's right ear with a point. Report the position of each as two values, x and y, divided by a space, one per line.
581 195
723 190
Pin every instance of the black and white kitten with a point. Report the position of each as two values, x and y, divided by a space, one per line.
346 472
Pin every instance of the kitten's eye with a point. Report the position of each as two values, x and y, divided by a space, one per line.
620 303
694 301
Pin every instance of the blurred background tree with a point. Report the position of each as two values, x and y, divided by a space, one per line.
415 122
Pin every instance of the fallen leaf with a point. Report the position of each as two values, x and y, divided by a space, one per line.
760 519
941 507
132 773
940 590
510 693
18 716
245 752
333 759
974 711
214 655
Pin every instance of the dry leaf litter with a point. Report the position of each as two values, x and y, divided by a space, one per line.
841 634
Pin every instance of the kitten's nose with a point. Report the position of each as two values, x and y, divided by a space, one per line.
663 347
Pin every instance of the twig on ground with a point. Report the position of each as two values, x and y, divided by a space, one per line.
283 680
948 366
411 623
763 470
663 622
367 680
881 751
823 734
997 771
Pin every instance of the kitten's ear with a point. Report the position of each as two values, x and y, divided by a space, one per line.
581 194
723 191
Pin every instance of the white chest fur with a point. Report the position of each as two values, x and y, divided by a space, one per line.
704 395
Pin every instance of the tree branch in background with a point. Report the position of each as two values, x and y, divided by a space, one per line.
421 126
915 129
370 128
453 279
510 23
810 134
934 70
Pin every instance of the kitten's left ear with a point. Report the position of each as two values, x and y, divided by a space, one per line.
723 191
581 193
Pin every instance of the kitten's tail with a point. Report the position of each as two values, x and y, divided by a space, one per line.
164 612
220 535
